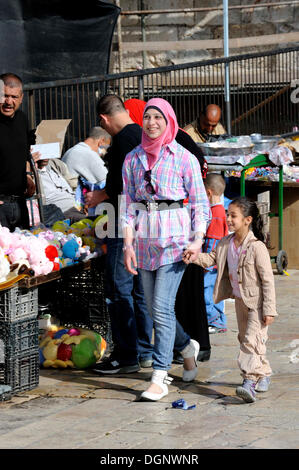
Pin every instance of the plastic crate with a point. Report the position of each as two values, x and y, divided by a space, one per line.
19 337
79 299
18 304
20 372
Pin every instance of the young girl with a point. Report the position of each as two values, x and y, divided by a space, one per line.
158 175
245 273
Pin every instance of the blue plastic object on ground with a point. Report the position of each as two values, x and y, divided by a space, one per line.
181 403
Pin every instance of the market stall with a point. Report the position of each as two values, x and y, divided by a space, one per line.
250 165
68 287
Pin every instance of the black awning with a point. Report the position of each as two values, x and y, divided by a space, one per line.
45 40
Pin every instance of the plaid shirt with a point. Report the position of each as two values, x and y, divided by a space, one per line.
161 236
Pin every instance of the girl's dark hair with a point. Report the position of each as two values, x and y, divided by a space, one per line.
249 208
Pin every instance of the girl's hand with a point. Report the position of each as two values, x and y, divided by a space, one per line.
268 320
130 260
192 251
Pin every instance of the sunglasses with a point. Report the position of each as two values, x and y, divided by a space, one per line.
149 187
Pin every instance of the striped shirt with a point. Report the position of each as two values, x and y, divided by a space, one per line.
161 236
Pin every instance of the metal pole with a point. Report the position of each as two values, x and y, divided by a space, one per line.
280 209
143 34
119 38
226 54
120 52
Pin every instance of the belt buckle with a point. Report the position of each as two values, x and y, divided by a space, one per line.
151 206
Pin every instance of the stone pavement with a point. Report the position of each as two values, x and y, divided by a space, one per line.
80 410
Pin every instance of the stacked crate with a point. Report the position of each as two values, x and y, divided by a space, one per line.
19 351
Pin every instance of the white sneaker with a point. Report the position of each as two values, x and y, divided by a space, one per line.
191 350
159 377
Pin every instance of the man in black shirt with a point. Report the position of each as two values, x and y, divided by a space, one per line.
14 154
130 322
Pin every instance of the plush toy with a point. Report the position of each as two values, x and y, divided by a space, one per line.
4 266
37 258
70 251
74 347
17 255
61 226
83 226
21 267
52 254
5 238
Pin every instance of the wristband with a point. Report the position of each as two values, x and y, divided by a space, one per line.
126 247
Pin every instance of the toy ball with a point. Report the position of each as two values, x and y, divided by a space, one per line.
64 352
83 354
74 332
60 333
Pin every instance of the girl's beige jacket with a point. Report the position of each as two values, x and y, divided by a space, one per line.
255 274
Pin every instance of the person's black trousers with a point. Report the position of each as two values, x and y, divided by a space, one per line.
190 306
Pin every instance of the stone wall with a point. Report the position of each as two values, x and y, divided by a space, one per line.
198 26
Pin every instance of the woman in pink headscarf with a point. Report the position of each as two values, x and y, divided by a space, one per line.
158 176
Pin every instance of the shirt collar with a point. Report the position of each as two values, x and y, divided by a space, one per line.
172 146
142 155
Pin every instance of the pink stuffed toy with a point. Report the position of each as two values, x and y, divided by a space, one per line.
38 260
16 255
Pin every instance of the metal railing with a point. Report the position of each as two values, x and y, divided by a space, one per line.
260 93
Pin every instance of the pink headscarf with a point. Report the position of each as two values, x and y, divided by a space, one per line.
152 147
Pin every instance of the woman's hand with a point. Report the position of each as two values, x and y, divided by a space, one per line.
268 320
130 259
192 251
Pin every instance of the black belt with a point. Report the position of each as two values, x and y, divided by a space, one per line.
162 205
5 198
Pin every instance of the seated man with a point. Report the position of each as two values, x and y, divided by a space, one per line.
84 158
206 124
57 188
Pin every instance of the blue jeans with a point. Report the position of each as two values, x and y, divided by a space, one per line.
215 312
131 324
160 288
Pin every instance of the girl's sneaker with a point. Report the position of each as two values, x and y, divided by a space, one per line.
263 384
247 391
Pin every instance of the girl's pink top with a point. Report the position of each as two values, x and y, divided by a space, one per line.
233 256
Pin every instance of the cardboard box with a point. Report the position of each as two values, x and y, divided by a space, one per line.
290 223
52 131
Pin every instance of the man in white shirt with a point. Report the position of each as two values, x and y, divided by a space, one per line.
84 158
